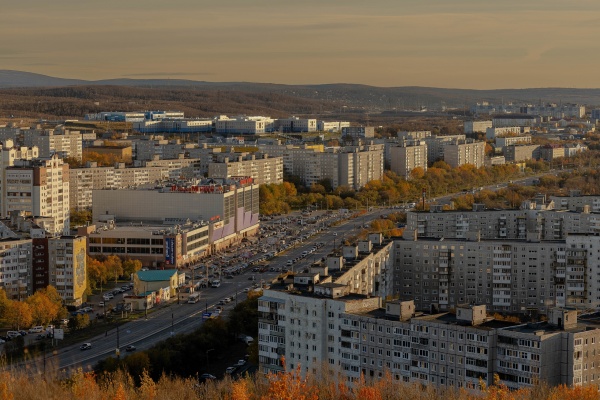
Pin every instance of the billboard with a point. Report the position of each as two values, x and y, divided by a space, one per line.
169 250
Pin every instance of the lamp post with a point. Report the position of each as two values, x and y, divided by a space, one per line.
172 323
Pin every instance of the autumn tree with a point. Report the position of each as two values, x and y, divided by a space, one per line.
18 314
114 266
131 266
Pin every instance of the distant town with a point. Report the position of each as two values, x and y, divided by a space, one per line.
441 258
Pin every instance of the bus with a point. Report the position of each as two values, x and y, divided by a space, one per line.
216 283
194 298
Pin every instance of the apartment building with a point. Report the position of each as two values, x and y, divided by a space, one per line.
60 141
516 276
461 152
262 168
493 132
549 152
476 126
521 152
353 277
576 202
408 155
502 142
436 146
535 220
507 120
122 153
413 135
67 268
39 187
359 131
174 126
15 267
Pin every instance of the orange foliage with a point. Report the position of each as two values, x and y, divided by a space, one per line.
289 386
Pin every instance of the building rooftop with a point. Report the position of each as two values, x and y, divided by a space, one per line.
156 275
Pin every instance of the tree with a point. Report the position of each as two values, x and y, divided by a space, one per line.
4 301
97 272
130 267
114 266
80 218
43 309
18 314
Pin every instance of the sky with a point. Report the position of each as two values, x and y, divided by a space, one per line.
471 44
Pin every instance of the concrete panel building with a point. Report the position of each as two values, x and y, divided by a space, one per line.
436 146
459 153
408 155
521 152
262 168
476 126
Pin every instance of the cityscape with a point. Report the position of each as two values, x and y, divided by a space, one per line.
299 201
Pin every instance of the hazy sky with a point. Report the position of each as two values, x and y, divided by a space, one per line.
443 43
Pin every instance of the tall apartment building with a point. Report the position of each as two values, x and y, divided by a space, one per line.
353 166
356 336
359 273
58 141
67 267
39 187
408 155
262 168
436 146
461 152
476 126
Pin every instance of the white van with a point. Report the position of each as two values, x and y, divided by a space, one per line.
36 329
216 283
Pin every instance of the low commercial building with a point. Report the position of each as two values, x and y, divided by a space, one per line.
231 205
176 245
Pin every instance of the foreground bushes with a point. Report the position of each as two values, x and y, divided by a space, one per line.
284 386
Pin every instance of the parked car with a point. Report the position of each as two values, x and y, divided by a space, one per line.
130 348
85 346
241 363
205 377
230 370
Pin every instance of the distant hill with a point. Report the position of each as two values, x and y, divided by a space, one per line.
207 98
